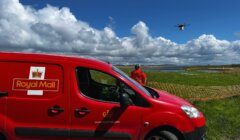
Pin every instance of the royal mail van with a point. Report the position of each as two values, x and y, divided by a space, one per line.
50 97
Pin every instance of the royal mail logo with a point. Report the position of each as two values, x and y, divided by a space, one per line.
29 84
37 74
36 83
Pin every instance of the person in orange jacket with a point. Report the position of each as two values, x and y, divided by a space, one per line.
138 75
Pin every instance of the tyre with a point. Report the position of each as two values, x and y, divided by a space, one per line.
162 135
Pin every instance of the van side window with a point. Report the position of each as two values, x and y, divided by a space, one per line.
97 85
104 87
102 78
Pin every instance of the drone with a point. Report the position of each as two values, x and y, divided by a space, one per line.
181 26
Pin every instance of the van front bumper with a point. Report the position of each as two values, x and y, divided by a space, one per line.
197 134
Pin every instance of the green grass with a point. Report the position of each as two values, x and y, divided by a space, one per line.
195 85
195 78
223 118
192 78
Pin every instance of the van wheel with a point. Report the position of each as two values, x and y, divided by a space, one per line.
162 135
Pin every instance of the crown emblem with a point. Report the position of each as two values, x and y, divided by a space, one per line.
36 74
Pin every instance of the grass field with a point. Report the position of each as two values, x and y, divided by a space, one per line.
217 95
223 118
194 78
195 85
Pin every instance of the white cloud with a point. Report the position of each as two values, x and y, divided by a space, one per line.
56 30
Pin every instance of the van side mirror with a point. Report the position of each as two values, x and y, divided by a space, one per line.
125 100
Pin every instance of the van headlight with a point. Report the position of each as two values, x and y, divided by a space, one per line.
192 112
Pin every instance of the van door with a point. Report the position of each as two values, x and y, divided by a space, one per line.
3 95
95 108
37 101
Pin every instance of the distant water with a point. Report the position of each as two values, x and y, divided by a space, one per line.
178 69
209 71
172 70
164 69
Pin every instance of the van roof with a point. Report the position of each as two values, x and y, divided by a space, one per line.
54 58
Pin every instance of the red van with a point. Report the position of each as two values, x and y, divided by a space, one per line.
50 97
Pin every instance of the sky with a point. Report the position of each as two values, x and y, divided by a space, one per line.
125 32
218 17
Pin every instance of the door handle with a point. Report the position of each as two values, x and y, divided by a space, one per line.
55 109
82 111
3 94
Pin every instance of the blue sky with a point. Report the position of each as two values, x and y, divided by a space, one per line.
218 17
143 30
